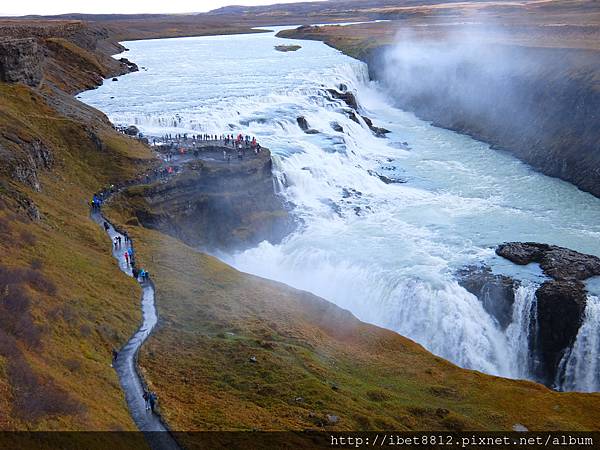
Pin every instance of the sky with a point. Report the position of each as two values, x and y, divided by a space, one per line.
51 7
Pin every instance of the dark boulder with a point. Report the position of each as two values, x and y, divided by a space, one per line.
495 292
560 308
346 97
557 262
385 179
377 131
303 124
130 66
115 79
337 127
521 252
132 130
353 117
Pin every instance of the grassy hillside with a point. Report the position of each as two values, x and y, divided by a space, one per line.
64 304
313 359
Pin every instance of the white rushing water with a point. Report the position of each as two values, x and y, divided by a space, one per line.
518 332
386 252
580 367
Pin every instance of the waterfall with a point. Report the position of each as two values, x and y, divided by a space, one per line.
386 251
579 368
523 328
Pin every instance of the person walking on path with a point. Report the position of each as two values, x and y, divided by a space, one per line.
144 275
126 256
115 355
146 397
106 226
152 399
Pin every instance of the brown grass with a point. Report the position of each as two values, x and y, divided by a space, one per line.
65 303
570 24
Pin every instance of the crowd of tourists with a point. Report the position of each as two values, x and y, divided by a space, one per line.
242 145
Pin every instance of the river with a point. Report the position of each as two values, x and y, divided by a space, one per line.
386 252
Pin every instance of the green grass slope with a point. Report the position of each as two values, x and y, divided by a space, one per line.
313 359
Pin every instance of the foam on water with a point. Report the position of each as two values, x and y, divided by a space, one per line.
386 252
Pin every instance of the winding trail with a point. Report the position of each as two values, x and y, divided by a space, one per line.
155 431
151 425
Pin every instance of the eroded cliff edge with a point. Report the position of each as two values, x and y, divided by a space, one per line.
214 204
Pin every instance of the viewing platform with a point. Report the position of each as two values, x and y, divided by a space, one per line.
224 149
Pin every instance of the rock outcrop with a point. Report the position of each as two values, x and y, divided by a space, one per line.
70 56
347 97
303 124
25 163
337 127
557 262
560 310
131 66
21 61
561 301
216 205
496 292
377 131
132 130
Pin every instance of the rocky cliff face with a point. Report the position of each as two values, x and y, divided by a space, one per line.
496 292
21 61
539 104
215 205
27 160
69 55
560 310
55 59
